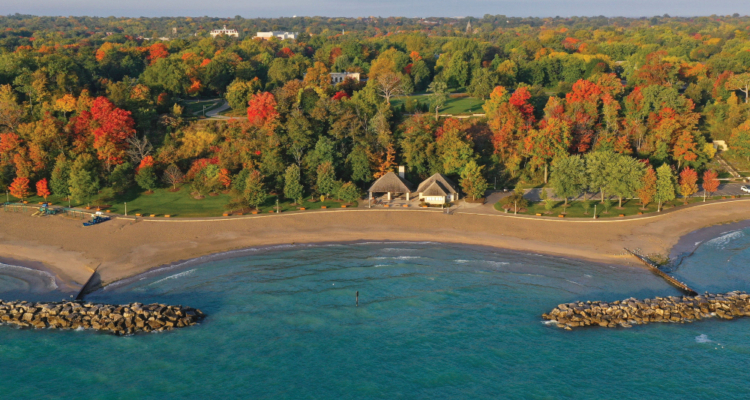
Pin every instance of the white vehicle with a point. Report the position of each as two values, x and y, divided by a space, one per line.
745 189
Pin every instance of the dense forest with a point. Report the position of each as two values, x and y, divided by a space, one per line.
93 107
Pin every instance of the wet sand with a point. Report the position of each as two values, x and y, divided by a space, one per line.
121 248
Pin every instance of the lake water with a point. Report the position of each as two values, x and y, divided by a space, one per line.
433 321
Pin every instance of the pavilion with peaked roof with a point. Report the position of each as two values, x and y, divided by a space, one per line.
391 183
437 189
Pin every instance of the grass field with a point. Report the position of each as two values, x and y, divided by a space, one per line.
182 204
454 106
576 210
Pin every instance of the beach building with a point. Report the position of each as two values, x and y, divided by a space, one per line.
282 35
391 183
224 31
437 189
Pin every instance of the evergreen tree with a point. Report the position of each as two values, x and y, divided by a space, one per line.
146 178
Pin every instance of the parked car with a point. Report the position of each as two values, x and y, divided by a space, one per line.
745 189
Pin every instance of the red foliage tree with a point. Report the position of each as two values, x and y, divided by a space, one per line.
340 95
710 183
112 127
262 109
42 188
20 188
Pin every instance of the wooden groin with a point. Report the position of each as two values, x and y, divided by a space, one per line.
670 279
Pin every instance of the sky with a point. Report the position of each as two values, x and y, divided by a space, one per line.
380 8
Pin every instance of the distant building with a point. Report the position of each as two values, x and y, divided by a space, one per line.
279 34
224 31
338 77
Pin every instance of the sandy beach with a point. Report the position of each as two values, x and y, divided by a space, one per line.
123 247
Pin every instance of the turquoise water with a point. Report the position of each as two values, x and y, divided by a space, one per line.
433 321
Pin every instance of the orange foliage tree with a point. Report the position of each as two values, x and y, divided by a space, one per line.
261 109
647 191
42 188
20 188
157 51
688 183
225 178
710 183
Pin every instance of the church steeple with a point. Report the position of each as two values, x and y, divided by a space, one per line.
469 31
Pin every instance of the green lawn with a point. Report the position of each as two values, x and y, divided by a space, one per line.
182 204
576 210
462 105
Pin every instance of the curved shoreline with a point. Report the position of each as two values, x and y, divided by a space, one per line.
124 248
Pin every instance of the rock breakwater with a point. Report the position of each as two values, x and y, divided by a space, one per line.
125 319
629 312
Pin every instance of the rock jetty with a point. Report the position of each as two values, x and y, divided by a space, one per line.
629 312
125 319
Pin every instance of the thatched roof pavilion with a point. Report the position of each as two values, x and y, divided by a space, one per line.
391 183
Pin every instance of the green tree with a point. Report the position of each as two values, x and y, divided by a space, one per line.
472 181
60 180
568 176
482 83
740 140
349 192
360 165
120 177
665 185
326 178
438 96
293 189
146 178
255 192
624 175
84 183
238 94
597 164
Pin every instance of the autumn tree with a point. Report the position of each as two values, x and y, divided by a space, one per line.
255 192
685 149
20 188
688 183
387 163
10 111
647 189
42 190
455 149
472 181
548 142
293 189
665 185
225 178
261 109
740 82
710 183
568 176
